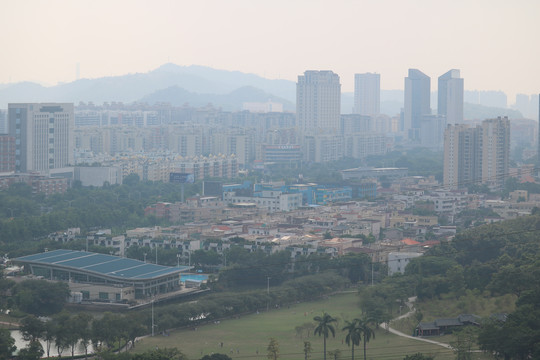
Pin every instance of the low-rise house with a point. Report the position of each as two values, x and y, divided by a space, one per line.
444 326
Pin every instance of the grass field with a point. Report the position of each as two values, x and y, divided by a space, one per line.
248 336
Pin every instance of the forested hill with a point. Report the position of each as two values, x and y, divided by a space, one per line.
503 258
490 260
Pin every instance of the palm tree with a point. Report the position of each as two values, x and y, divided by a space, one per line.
366 331
324 327
353 334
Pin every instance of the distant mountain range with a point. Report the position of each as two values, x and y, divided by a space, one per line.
191 83
197 86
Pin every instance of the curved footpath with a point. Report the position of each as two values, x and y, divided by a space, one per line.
409 313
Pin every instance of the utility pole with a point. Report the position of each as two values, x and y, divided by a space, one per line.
152 316
268 292
372 273
156 254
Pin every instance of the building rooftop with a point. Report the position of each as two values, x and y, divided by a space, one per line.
101 264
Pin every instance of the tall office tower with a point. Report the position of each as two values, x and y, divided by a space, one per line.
367 94
450 97
462 156
318 102
43 135
417 102
495 151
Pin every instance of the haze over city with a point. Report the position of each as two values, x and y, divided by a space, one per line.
492 42
249 179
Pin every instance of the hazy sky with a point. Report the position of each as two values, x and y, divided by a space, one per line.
494 42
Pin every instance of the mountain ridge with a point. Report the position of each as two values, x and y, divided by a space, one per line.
133 87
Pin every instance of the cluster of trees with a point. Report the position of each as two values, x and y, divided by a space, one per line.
25 216
70 332
279 267
35 297
40 297
220 305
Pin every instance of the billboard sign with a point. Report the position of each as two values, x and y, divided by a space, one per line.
181 178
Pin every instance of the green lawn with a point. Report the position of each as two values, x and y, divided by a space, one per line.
243 337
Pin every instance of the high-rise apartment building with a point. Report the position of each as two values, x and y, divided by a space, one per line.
477 155
450 97
7 153
495 151
318 102
417 102
43 135
367 94
462 156
3 122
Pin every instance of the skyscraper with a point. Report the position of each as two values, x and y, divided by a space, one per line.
318 102
367 94
477 155
450 97
417 102
43 135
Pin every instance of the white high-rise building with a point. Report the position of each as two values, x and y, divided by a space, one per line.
43 135
367 94
318 102
450 97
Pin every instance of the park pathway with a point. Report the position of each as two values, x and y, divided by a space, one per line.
411 311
